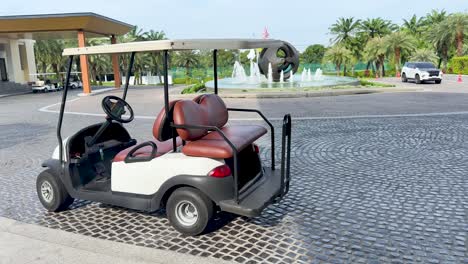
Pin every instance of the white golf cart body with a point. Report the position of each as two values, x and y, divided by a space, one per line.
107 167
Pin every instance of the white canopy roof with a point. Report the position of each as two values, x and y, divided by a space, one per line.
178 44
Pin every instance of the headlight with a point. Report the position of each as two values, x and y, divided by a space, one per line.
424 73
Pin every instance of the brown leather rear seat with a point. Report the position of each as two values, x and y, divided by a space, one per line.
210 110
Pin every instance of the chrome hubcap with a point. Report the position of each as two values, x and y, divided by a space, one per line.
186 213
46 191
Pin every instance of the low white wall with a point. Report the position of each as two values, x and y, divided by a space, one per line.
146 80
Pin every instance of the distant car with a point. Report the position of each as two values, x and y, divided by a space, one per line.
421 72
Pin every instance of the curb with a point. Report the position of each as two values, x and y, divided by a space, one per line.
302 94
14 94
58 246
96 92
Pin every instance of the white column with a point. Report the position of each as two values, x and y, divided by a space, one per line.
15 73
31 60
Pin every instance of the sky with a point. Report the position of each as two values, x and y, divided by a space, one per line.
301 22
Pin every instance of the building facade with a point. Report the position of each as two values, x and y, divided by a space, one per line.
17 62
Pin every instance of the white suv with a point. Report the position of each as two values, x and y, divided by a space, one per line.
420 72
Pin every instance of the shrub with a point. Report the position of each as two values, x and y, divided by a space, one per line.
193 88
459 65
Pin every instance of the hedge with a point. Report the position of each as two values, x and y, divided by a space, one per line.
459 65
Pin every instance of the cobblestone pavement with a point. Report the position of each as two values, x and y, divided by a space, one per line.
371 190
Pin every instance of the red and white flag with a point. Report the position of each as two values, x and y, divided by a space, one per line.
265 34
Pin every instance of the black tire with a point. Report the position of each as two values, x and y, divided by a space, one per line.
193 197
438 81
49 182
45 90
418 79
73 86
403 78
34 91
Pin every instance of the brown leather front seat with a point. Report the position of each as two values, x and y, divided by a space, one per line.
210 110
163 133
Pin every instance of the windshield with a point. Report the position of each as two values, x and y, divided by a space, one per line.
424 65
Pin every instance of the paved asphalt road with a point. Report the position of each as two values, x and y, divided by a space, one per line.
372 189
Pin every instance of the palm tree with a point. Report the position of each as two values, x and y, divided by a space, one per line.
414 25
98 64
455 29
398 43
344 30
41 53
441 41
435 17
375 51
135 34
424 55
186 59
376 27
155 58
338 55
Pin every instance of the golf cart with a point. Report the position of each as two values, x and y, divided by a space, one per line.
46 85
195 165
74 82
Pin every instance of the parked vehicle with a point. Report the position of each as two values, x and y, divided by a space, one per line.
195 166
44 83
421 72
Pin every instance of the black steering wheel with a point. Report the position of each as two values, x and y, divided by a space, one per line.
115 107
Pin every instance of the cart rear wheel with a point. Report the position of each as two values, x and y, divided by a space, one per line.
189 210
52 193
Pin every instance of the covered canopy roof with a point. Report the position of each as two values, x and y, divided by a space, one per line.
175 44
60 26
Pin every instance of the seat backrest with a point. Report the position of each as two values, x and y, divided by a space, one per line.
205 110
215 107
162 129
187 112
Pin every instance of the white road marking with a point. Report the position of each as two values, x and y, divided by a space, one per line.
47 110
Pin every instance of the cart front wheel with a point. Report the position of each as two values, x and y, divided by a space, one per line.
52 193
189 211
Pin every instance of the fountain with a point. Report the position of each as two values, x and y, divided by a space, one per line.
304 75
270 74
238 73
318 75
268 70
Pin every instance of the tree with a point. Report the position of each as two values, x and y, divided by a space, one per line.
424 55
414 25
376 27
313 53
186 58
456 29
344 29
338 55
398 43
440 40
375 51
434 17
155 58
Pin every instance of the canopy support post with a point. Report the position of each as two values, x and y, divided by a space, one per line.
215 70
166 97
129 72
62 108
